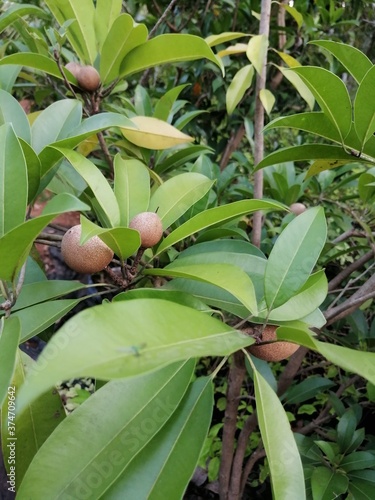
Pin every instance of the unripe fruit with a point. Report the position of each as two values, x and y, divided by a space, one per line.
88 78
275 351
297 208
149 226
74 68
89 258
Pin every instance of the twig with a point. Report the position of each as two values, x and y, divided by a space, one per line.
259 453
345 273
107 154
162 18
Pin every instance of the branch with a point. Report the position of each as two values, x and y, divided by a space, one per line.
345 273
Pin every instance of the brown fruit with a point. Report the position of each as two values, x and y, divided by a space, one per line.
297 208
73 67
149 226
275 351
88 78
89 258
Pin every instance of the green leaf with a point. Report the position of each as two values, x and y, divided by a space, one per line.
294 256
300 86
307 152
359 362
227 36
226 276
181 157
366 186
358 460
9 338
307 299
34 293
11 112
364 110
168 48
81 33
165 465
36 61
13 180
123 37
106 12
345 430
362 484
36 423
37 318
15 11
33 170
15 245
164 105
307 389
217 215
257 51
175 196
55 122
131 187
331 94
327 484
99 185
105 445
241 82
122 240
297 16
98 342
355 61
282 453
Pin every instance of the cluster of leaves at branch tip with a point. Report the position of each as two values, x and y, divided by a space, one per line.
149 226
87 77
91 257
272 351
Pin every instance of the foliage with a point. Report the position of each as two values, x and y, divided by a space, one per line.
204 291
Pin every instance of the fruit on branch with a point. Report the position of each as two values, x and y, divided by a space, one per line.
74 68
275 351
88 78
89 258
149 226
297 208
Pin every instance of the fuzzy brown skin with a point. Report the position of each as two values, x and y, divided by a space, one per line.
74 68
275 351
88 78
149 226
89 258
297 208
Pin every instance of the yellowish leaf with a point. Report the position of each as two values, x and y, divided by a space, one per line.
257 50
153 133
267 99
290 61
238 48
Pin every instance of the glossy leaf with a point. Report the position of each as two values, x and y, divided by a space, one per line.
326 483
37 318
308 298
297 16
181 157
15 11
13 180
106 12
226 276
164 105
36 423
237 48
355 61
257 51
267 99
131 187
11 112
306 152
15 245
364 110
228 36
36 61
331 95
222 246
358 460
307 389
359 362
55 122
284 460
99 185
98 342
168 48
33 170
165 465
294 256
175 196
34 293
238 86
154 134
81 33
122 240
139 408
217 215
123 36
345 430
362 484
9 338
366 186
